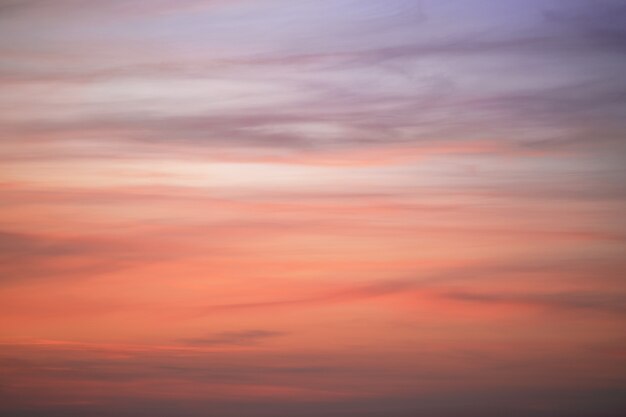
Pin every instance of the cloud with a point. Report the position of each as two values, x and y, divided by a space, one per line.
265 384
237 338
377 208
583 301
331 296
28 257
372 96
115 7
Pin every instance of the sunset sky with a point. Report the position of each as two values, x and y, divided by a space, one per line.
312 208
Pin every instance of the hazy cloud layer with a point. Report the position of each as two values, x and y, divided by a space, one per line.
332 208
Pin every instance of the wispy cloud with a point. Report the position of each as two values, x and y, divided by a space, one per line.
585 301
244 337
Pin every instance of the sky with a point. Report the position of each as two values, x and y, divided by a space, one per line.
313 208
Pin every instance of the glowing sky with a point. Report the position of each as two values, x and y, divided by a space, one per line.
312 208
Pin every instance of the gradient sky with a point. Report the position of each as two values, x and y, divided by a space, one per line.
312 208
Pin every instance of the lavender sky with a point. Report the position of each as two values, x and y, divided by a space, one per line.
314 208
